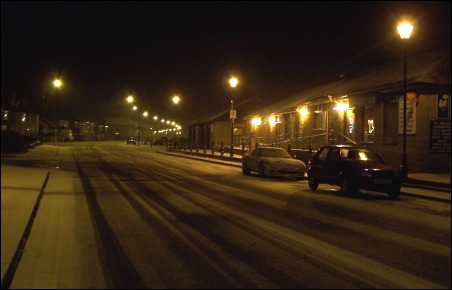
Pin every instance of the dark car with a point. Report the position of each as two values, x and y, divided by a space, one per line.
353 168
31 141
13 142
132 140
273 161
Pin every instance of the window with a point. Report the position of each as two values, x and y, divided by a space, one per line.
296 123
319 118
324 153
334 155
288 125
369 125
390 125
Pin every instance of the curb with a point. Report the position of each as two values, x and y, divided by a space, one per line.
428 184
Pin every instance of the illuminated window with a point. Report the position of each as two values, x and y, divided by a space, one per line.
369 125
351 125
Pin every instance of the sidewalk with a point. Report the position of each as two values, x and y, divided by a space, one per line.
32 255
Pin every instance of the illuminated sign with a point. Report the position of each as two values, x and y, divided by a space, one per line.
370 123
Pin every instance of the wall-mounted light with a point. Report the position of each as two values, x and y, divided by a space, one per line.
257 121
272 120
340 107
303 112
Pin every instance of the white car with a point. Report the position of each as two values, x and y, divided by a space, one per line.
273 161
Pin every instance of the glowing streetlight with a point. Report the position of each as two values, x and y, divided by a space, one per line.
57 83
404 30
233 81
48 106
176 100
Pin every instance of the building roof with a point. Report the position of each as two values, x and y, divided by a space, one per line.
292 102
431 69
428 69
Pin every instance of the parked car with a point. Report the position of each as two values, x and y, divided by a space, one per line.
132 140
38 140
13 142
272 161
353 167
31 141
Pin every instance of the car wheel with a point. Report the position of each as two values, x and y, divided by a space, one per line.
347 187
261 170
312 181
245 169
394 193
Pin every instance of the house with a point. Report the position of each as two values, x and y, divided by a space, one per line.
26 124
368 109
216 130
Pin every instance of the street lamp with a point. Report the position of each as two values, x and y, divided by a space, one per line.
46 103
176 101
405 30
145 115
303 114
232 114
57 83
135 108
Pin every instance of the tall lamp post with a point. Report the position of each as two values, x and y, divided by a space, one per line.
232 114
130 100
176 101
57 84
135 108
405 30
145 115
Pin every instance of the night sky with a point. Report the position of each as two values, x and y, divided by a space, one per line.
104 51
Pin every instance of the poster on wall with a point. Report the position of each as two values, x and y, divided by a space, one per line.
443 107
440 136
410 114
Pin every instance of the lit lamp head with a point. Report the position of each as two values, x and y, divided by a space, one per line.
176 100
57 83
405 30
233 82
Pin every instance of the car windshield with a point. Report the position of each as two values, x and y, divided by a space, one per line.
360 155
275 153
